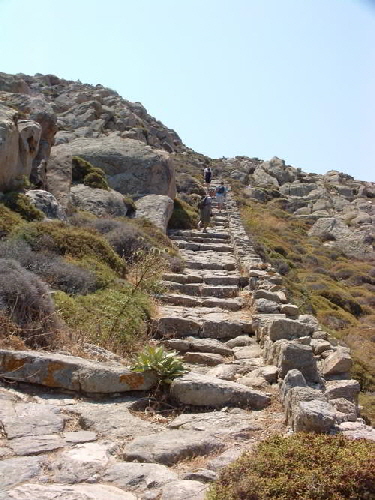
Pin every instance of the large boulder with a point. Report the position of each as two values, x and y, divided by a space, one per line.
156 208
99 202
47 203
19 143
59 175
131 166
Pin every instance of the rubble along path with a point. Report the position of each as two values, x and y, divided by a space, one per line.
56 445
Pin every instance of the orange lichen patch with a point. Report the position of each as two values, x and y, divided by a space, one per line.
11 364
133 380
52 367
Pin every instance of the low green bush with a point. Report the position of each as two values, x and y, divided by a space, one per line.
59 238
166 364
183 216
8 220
303 467
84 172
21 204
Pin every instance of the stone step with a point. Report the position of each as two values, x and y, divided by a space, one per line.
191 233
201 290
203 322
203 247
199 264
230 304
208 279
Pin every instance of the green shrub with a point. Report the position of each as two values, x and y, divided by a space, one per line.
84 172
8 220
112 318
166 364
21 204
79 243
183 216
303 467
96 179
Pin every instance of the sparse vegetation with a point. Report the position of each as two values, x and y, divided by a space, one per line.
166 364
9 220
84 172
183 216
21 204
303 466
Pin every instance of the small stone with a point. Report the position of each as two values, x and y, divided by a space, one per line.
293 378
203 358
348 389
79 437
320 345
224 371
289 309
240 341
183 490
251 351
202 475
338 362
313 416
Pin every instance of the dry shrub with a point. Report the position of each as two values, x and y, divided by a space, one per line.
303 466
52 269
25 299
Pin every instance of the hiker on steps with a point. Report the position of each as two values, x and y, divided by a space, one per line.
221 193
207 174
205 208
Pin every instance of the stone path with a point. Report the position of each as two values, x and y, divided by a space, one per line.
225 313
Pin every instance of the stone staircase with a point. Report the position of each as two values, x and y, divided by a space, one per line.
228 316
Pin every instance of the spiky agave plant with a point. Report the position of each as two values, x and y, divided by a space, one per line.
166 364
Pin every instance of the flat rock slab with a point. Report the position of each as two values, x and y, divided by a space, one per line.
201 345
204 390
184 490
203 358
247 352
136 476
30 419
69 492
32 445
71 372
17 470
169 447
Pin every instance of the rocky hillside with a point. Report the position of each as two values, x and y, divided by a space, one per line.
103 270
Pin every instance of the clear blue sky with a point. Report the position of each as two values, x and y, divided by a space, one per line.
291 78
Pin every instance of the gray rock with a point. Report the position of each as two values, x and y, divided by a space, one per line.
204 358
32 445
59 175
71 492
138 476
156 208
70 372
287 329
79 437
203 390
266 306
300 357
338 362
99 202
251 351
344 406
131 167
225 459
225 371
293 378
183 490
47 203
240 341
348 389
201 345
169 447
320 345
201 475
289 309
313 416
269 373
297 395
18 470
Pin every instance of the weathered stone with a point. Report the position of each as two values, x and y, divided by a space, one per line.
347 407
338 362
313 416
59 175
320 345
130 166
288 329
224 459
202 475
47 203
203 390
266 294
31 419
251 380
99 202
32 445
201 345
138 476
70 372
269 373
204 358
289 309
251 351
266 306
155 208
224 371
71 492
240 341
169 447
79 437
17 470
295 396
182 490
81 463
300 357
293 378
348 389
